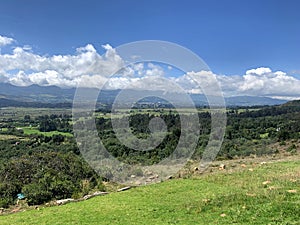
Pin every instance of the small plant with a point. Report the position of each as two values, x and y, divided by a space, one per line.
292 148
282 143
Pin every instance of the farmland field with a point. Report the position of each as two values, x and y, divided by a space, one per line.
34 130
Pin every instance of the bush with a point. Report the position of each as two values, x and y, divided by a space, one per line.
292 148
5 202
45 176
36 193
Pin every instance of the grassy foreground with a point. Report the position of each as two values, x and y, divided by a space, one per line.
253 194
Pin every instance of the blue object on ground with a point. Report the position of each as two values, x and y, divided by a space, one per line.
20 196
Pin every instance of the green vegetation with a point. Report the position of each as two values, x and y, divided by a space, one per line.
18 113
39 158
35 130
45 176
249 131
266 194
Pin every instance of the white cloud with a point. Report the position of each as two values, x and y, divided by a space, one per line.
262 82
20 79
3 77
89 69
255 82
5 40
61 70
139 67
154 70
202 82
259 71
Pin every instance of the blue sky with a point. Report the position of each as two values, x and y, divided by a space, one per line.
231 36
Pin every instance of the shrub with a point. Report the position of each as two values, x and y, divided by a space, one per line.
36 193
45 176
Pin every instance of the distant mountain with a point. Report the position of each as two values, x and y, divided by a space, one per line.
36 93
252 101
240 100
12 95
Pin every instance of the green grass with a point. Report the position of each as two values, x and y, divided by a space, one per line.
34 130
265 135
241 197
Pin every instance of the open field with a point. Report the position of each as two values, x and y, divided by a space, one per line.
34 130
7 137
256 193
19 112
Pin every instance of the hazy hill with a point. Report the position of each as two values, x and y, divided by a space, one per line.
12 95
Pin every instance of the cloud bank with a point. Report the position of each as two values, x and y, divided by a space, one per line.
86 67
5 40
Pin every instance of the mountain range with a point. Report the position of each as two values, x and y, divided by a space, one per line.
11 95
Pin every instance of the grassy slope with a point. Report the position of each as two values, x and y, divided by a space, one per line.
239 197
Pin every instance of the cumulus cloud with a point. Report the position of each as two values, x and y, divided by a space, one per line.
262 82
60 70
89 69
20 79
259 71
201 82
154 70
5 40
255 82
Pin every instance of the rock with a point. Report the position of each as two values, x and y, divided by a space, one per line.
86 197
148 173
266 182
243 165
97 193
64 201
138 183
124 189
132 176
15 210
222 167
153 177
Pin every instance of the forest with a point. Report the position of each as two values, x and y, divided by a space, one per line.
40 159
